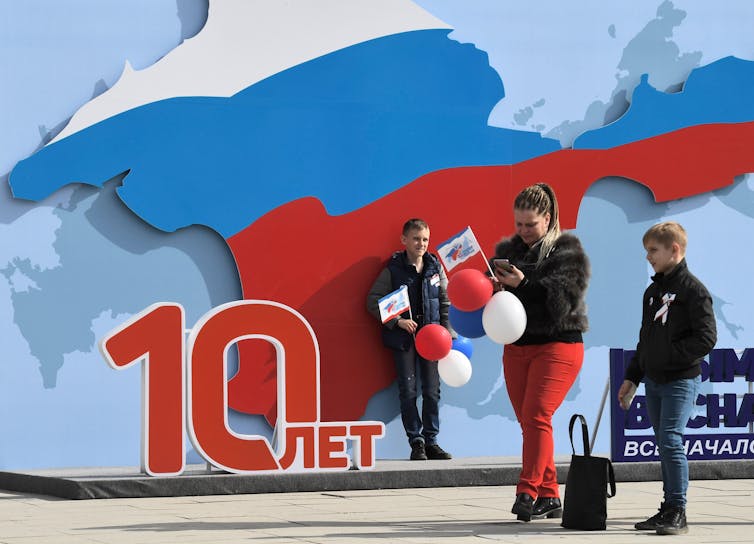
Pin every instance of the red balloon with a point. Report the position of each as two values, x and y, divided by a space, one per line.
433 342
469 289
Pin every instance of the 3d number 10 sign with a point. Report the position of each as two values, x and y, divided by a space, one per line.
184 385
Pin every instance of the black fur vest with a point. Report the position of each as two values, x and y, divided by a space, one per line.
554 291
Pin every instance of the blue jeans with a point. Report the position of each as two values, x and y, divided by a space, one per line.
670 406
409 366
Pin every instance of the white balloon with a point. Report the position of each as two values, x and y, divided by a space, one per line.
504 318
454 368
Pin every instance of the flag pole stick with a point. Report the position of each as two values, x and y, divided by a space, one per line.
486 261
599 413
410 313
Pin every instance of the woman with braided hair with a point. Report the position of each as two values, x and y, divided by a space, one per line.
548 272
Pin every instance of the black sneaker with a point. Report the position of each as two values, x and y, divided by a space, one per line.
652 523
673 522
523 507
417 451
434 451
547 507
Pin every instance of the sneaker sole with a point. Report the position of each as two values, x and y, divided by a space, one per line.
672 531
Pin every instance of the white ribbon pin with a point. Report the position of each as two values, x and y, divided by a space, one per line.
667 298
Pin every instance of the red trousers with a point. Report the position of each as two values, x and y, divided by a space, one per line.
538 379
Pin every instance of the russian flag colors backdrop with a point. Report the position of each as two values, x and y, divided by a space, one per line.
272 151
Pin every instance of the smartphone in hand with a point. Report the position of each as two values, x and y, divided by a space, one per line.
503 264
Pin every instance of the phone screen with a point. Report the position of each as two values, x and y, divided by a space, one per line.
503 264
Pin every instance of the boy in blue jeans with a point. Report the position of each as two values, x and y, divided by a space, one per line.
425 279
677 331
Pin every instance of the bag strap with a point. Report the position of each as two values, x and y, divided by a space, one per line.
610 479
584 434
588 452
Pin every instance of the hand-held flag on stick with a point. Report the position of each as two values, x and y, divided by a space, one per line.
394 304
459 248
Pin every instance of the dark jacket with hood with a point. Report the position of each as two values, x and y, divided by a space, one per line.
678 328
553 292
429 299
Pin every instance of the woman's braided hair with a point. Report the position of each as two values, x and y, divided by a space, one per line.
541 198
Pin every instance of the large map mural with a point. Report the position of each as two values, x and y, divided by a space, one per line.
271 151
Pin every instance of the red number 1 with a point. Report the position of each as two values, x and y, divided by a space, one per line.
155 336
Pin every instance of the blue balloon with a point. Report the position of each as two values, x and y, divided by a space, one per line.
463 345
468 324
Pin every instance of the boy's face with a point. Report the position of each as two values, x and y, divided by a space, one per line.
662 258
416 242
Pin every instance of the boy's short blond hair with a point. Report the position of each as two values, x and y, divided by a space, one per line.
667 234
414 224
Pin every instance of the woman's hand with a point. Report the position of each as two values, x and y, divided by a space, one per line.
496 285
509 278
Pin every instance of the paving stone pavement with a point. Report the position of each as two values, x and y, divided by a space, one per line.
720 511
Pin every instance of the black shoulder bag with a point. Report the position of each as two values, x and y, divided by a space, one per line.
586 491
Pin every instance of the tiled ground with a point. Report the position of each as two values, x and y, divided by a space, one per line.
720 511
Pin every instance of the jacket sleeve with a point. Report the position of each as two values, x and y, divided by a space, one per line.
529 290
381 287
633 370
564 278
703 334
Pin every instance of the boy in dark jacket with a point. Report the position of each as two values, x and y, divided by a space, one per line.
422 273
677 330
